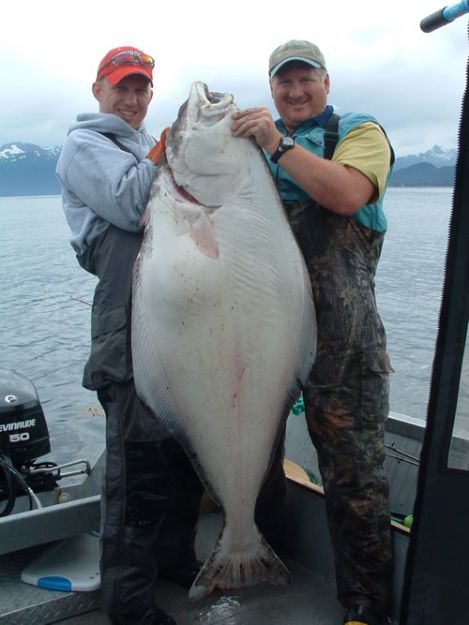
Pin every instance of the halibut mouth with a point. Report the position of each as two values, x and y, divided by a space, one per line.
202 106
210 105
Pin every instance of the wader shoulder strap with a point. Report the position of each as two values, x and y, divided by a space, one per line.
115 140
331 135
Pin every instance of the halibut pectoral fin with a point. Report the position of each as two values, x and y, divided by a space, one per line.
202 232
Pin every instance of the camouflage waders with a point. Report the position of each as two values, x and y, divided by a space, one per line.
346 396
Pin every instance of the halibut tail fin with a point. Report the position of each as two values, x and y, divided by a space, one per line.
226 570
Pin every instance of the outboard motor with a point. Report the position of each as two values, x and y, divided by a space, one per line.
23 429
24 437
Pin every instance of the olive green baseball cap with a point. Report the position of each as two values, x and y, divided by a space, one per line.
296 50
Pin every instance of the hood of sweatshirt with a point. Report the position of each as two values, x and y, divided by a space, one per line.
104 123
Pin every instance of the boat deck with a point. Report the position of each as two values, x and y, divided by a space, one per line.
307 600
310 599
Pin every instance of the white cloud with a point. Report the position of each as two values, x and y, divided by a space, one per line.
379 59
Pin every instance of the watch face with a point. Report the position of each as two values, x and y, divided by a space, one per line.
287 142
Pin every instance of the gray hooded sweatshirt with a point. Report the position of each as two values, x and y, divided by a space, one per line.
103 184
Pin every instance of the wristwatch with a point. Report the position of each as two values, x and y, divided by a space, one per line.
286 143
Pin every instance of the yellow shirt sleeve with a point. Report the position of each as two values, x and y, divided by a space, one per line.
367 149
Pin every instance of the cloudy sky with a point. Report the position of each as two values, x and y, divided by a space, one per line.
379 60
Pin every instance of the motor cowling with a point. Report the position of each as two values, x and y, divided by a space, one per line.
24 435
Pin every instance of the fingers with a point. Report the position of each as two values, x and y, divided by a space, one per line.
255 122
240 113
247 119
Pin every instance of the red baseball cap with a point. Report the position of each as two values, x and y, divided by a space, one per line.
124 61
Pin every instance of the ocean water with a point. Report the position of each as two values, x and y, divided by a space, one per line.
44 328
409 285
45 310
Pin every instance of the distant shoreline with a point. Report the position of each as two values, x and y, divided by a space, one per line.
390 186
420 186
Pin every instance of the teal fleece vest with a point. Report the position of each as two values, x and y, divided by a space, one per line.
311 137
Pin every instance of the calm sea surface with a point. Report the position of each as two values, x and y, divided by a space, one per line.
45 315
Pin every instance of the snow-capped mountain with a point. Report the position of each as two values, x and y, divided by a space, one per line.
437 156
28 169
19 151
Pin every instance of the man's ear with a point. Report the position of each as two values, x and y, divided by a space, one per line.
96 88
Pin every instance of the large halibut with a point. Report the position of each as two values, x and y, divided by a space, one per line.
223 323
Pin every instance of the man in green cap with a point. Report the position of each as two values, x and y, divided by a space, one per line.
333 193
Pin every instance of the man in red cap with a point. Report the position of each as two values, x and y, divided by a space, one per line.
122 70
151 493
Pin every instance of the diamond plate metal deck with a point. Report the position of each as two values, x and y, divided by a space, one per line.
22 604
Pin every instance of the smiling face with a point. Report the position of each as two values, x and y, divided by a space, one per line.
129 99
299 92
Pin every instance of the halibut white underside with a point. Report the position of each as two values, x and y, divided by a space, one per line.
223 326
